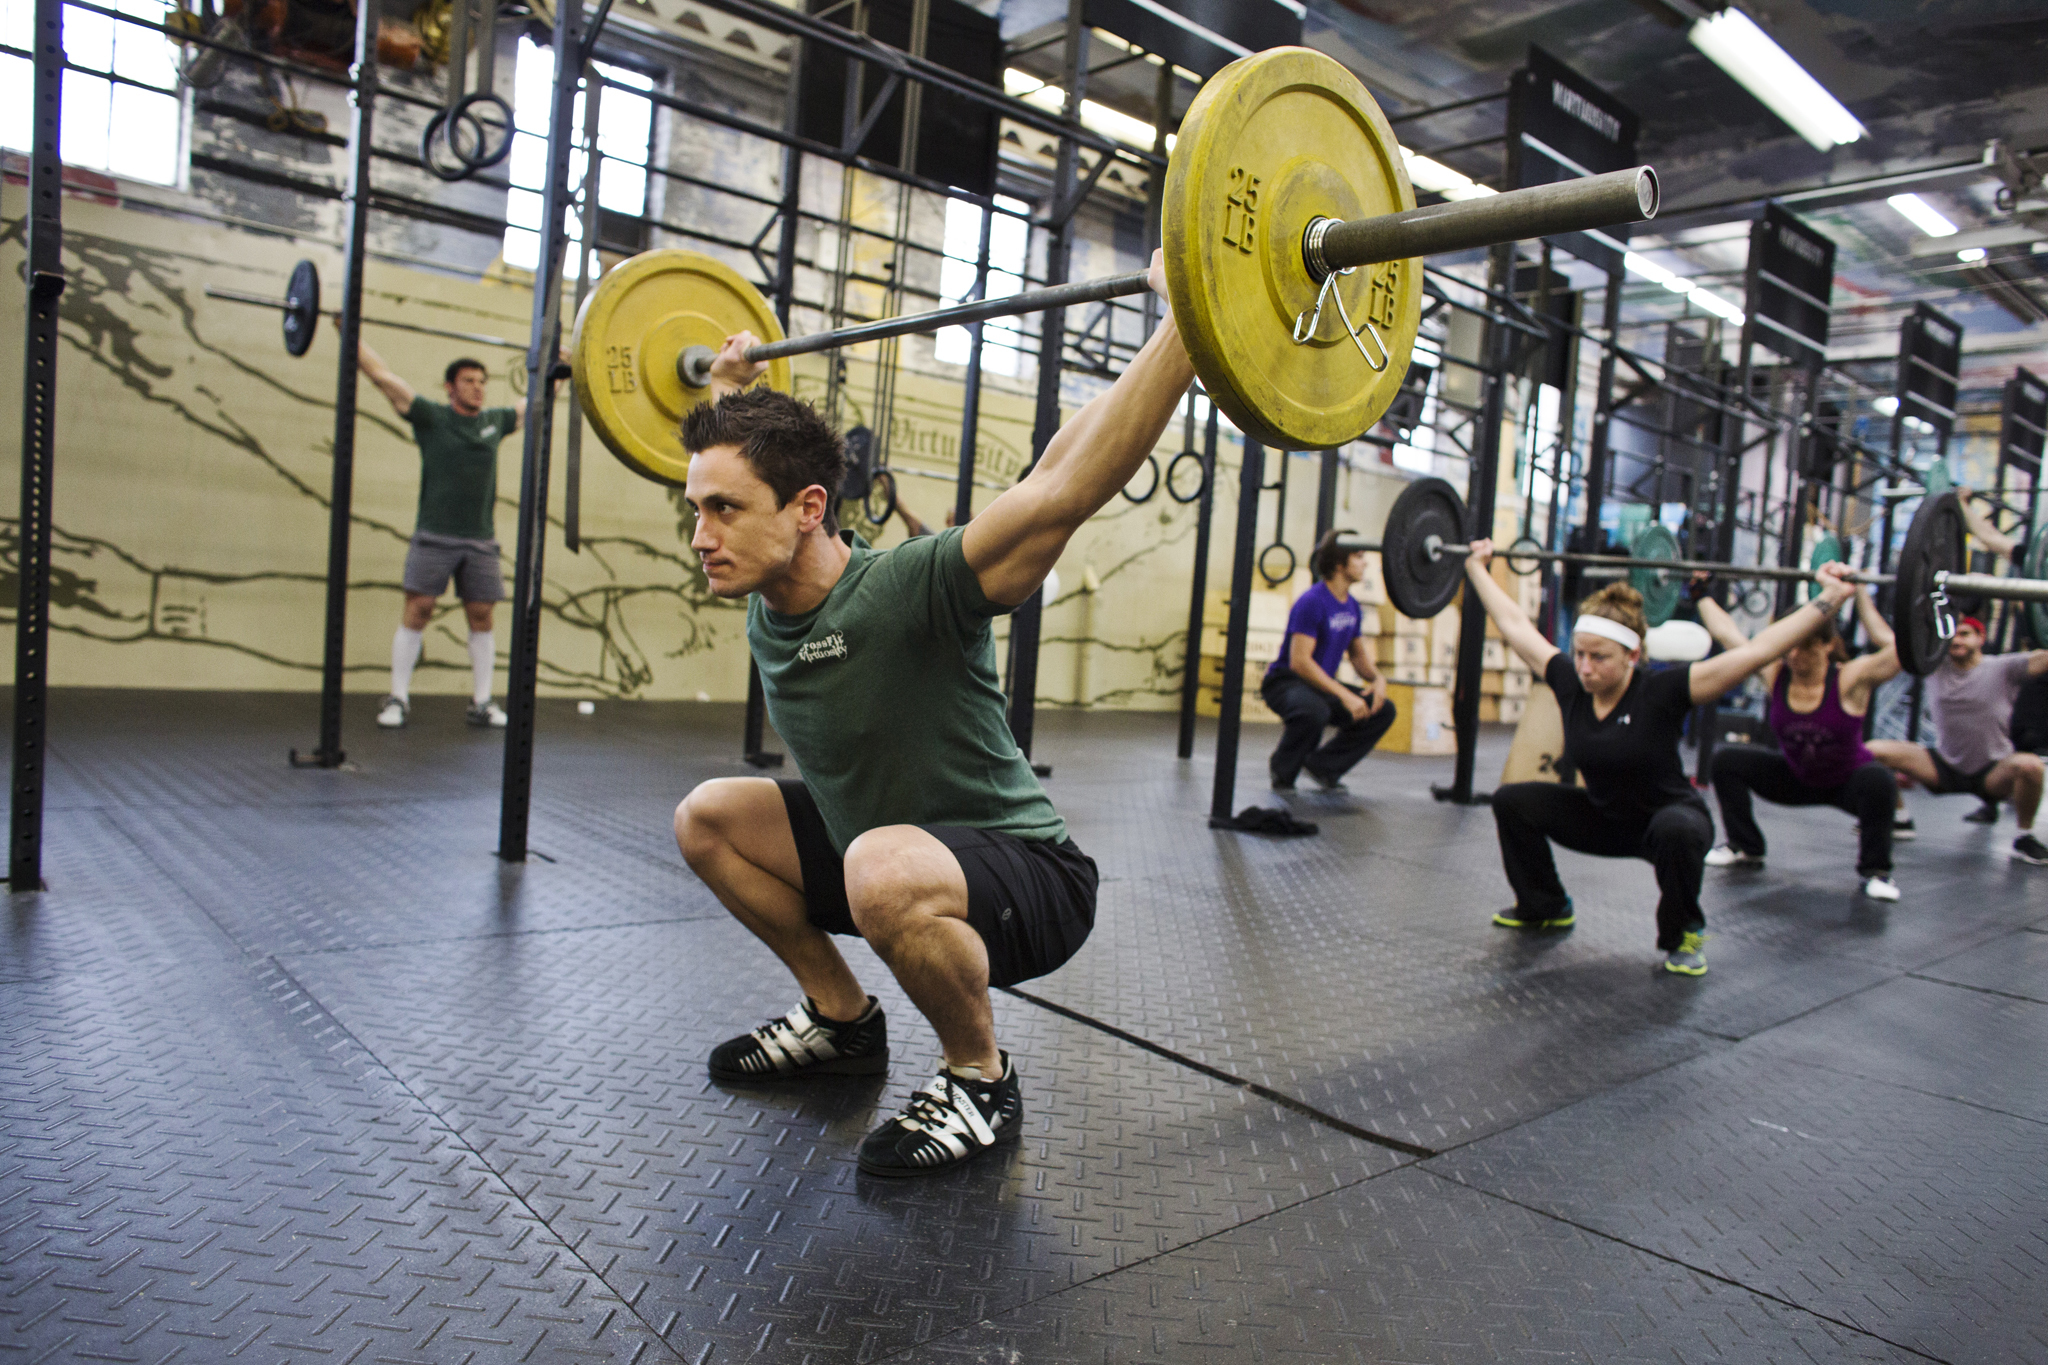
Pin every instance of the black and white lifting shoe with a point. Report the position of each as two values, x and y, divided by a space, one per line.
806 1043
954 1119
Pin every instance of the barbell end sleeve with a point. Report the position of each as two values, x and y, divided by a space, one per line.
693 366
1580 205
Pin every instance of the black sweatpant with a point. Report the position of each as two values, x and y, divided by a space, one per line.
1871 792
1307 713
1674 839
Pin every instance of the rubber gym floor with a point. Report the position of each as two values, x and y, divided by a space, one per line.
296 1070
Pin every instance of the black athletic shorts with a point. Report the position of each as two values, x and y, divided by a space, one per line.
1031 900
1954 781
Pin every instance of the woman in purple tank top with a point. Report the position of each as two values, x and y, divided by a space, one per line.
1816 710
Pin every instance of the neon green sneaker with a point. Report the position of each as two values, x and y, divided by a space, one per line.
1514 918
1689 957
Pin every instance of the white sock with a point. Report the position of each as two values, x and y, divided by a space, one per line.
483 657
405 652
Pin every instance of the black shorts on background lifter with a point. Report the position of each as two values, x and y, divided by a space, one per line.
1032 901
1956 782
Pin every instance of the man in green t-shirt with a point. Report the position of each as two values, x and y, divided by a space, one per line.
453 536
915 822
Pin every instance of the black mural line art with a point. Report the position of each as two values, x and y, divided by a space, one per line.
150 280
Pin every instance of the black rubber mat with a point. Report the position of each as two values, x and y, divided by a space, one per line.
1910 1217
1408 1268
296 1070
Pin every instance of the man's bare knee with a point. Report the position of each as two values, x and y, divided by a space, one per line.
899 875
702 820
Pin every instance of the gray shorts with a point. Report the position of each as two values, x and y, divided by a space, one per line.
473 564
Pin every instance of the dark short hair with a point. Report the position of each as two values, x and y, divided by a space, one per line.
456 367
787 441
1329 556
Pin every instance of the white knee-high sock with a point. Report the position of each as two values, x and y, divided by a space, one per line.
483 656
405 652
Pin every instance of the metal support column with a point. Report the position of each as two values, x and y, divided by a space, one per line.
1059 247
341 497
970 400
44 271
1479 499
541 358
1326 494
754 745
1251 479
1198 595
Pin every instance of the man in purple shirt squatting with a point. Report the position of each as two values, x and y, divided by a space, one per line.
1301 685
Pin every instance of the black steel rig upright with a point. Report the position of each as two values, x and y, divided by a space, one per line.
341 495
542 354
44 275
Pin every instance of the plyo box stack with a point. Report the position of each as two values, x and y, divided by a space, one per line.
1504 679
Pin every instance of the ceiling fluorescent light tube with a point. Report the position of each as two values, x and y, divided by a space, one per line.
1733 42
1922 215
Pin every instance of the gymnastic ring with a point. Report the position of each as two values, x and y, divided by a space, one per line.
882 479
429 136
1150 489
1201 484
484 156
1275 580
1523 561
1756 599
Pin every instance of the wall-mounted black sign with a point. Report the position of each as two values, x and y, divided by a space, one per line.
2023 424
1199 35
1930 359
1791 286
1560 126
956 137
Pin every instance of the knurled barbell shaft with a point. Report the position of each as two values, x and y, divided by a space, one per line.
1598 201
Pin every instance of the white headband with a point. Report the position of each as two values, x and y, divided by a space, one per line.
1611 630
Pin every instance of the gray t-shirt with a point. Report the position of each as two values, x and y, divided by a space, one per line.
1973 709
888 698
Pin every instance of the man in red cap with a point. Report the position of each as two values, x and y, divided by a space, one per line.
1971 695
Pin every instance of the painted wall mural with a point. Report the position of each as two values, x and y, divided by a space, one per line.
194 467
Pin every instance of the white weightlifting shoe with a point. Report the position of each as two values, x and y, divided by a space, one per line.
1727 855
393 713
1881 888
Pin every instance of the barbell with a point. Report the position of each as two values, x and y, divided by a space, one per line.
1423 550
1285 192
302 314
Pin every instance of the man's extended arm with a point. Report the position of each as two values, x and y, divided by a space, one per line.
390 385
1013 544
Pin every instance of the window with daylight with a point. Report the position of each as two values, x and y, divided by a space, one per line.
625 137
1002 340
122 113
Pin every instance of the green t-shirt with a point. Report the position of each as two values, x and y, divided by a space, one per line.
887 696
458 467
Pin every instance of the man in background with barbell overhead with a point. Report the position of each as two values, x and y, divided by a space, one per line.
454 536
1301 685
916 822
1971 695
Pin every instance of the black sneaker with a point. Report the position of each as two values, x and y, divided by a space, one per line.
1280 786
806 1043
1328 784
954 1119
1904 829
1986 814
2028 849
